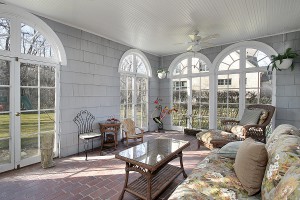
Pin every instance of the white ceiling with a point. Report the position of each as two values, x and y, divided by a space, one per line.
155 26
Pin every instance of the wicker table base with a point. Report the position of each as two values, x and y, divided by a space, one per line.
158 182
151 159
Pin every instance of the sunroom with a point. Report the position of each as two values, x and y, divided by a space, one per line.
60 58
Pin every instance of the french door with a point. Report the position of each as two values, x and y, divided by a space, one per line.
27 110
134 100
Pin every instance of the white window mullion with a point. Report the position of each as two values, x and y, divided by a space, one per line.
15 40
242 81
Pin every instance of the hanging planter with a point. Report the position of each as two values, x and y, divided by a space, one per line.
283 61
161 73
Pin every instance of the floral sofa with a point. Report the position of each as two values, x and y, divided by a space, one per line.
214 177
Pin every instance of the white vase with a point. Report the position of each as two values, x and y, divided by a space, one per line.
162 75
286 63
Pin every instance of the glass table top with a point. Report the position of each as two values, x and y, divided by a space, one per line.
153 151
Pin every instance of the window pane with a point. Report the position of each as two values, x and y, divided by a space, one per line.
140 66
28 74
4 34
47 76
256 58
29 98
230 62
34 43
181 68
47 120
127 64
47 98
198 66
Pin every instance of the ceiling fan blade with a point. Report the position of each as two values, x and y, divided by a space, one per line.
210 37
190 48
195 37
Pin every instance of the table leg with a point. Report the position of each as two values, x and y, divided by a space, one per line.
126 181
181 164
149 187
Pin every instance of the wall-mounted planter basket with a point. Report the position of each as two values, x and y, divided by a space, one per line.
286 63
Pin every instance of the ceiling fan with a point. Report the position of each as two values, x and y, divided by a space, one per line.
197 42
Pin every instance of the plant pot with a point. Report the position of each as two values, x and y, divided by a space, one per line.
286 63
162 75
189 131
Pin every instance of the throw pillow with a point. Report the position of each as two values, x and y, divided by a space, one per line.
250 116
263 116
250 164
230 149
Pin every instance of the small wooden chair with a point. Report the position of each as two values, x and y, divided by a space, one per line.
129 131
84 120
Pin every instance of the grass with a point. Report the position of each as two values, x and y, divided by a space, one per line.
29 128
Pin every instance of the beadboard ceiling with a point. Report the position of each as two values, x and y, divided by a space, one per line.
155 26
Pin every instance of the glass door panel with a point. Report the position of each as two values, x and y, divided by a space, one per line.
37 108
200 102
134 100
180 102
6 139
228 95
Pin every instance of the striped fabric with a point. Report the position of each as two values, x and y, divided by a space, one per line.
250 116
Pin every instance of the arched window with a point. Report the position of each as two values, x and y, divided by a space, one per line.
241 78
190 91
135 69
30 56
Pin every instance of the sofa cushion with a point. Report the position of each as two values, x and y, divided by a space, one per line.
289 185
283 129
250 116
213 178
250 164
230 149
283 154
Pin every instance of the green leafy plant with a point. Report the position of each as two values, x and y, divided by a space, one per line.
161 70
287 54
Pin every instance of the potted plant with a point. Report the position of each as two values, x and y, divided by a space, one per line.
283 61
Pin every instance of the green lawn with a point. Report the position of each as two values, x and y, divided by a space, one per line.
29 128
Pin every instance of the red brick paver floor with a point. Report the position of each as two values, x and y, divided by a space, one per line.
101 177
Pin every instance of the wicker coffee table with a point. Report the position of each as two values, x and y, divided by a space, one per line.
151 159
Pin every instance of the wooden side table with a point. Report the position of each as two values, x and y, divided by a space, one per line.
108 129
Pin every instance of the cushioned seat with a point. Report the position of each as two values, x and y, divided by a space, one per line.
214 138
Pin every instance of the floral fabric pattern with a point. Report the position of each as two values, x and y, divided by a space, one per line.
213 178
283 151
207 136
289 186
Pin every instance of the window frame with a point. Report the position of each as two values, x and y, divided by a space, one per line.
135 75
242 71
189 75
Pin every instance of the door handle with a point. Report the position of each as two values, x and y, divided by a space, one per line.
18 114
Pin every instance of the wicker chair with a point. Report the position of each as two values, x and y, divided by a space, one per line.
218 138
129 131
255 131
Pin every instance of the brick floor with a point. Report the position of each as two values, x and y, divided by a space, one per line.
101 177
